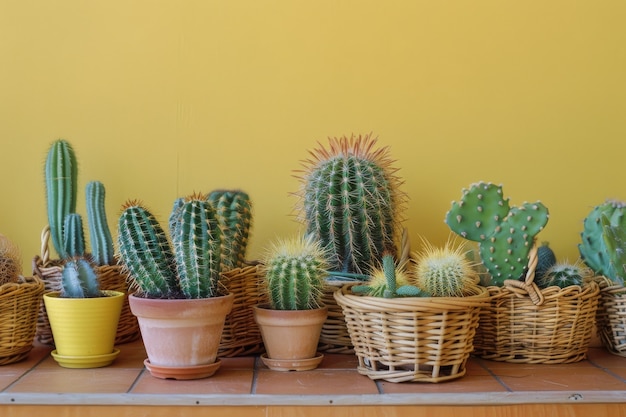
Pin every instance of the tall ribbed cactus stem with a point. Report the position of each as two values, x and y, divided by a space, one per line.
79 280
234 211
73 236
99 232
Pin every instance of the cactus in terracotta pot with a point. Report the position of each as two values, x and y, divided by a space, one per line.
350 199
505 234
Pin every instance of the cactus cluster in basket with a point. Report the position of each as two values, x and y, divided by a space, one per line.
208 235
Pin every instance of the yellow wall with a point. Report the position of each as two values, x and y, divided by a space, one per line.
162 98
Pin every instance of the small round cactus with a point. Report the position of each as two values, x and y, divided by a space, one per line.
562 275
545 259
444 271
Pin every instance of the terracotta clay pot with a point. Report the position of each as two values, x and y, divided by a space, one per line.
181 336
290 337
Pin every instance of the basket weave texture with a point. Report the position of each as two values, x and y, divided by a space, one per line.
334 337
241 335
19 308
422 339
111 278
525 324
611 316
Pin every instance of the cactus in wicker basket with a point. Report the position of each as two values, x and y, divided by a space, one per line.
188 268
603 240
350 200
10 261
562 275
505 234
295 271
389 281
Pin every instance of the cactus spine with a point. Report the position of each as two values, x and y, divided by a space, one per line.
562 275
295 271
603 240
445 271
234 211
73 236
545 259
10 261
504 234
99 232
389 281
79 280
350 200
61 172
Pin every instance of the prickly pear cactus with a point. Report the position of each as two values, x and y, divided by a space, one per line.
505 234
350 200
603 240
562 275
445 271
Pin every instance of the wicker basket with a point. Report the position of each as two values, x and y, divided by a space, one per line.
111 278
525 324
611 316
241 335
19 307
412 339
334 337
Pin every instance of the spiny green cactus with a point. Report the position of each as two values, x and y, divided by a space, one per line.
505 234
99 233
234 211
10 261
603 240
389 281
61 172
545 259
197 243
73 236
295 271
562 275
190 267
145 253
445 271
350 200
79 280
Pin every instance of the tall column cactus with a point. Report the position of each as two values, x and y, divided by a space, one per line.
603 240
234 211
350 199
99 233
505 234
79 280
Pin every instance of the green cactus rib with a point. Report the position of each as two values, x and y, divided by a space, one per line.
505 234
79 280
561 275
234 212
145 252
61 173
73 236
100 235
197 248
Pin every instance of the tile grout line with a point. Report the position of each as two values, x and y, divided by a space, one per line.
606 370
496 377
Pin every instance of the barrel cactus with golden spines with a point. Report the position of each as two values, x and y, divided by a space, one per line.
351 200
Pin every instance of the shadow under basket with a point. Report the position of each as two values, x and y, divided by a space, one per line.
19 308
111 278
558 329
241 335
412 339
611 316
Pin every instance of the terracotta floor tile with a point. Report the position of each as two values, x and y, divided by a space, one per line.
224 381
316 382
552 378
339 361
242 362
605 359
63 380
467 383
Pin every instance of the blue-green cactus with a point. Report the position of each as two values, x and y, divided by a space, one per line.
603 240
61 173
234 212
73 236
350 200
389 281
505 234
545 259
100 237
79 280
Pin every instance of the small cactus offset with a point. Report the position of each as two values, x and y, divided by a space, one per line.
445 271
603 240
295 271
10 261
79 280
197 243
145 252
350 200
73 236
505 234
562 275
61 172
99 233
234 211
545 259
389 281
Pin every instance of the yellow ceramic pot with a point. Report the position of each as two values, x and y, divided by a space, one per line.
84 329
